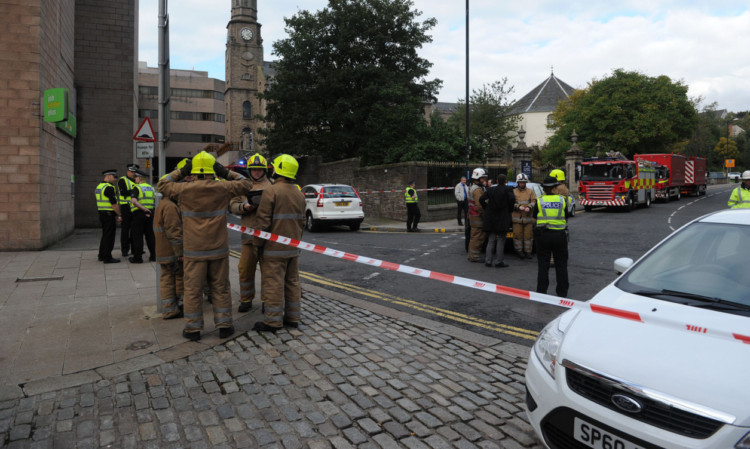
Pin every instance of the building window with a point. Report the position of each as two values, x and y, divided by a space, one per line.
203 138
550 120
247 110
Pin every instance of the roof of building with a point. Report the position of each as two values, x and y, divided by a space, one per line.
544 97
446 108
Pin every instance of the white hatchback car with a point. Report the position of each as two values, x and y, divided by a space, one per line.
603 382
332 204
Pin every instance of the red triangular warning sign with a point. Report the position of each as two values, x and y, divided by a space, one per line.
145 132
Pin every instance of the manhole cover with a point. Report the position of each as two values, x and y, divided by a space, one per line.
137 345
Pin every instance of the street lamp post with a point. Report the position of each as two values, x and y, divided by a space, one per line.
468 145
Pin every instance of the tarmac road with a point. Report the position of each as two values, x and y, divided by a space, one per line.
597 238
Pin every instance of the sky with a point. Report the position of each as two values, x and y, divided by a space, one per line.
703 44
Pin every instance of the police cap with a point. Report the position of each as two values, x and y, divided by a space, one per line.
550 181
133 167
112 172
141 173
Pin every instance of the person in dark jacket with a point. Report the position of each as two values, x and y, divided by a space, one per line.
498 206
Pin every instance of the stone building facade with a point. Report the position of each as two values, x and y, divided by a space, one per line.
196 110
47 177
244 78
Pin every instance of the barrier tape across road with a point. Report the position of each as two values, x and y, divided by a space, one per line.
495 288
403 190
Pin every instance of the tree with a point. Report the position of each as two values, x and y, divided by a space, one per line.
490 120
349 82
628 112
726 151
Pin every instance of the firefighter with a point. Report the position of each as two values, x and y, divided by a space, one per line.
125 187
551 238
168 233
109 215
740 197
523 219
562 189
281 212
142 207
412 207
203 205
246 206
476 241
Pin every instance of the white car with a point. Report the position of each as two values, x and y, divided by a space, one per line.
734 176
605 382
332 204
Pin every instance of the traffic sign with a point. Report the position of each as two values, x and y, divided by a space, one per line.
144 150
729 163
145 132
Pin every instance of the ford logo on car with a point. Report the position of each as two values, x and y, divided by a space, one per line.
626 403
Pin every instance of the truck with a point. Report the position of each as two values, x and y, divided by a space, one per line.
615 181
695 176
670 170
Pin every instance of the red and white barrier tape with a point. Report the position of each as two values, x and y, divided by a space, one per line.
494 288
403 190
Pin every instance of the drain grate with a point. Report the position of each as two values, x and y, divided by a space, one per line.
138 345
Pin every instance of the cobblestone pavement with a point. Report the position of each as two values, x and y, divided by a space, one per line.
348 377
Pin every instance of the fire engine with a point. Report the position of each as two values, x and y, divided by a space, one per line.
695 176
616 181
670 178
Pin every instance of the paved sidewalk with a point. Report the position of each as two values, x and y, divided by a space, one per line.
86 363
389 225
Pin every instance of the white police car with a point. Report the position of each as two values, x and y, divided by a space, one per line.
679 378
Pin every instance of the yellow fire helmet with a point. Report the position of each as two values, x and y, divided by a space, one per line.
286 166
181 163
558 174
203 164
257 161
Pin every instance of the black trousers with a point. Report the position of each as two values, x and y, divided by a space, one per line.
127 223
142 227
412 216
108 220
552 243
462 211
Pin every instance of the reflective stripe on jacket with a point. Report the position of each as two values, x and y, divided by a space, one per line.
736 200
410 197
551 212
145 196
102 202
124 197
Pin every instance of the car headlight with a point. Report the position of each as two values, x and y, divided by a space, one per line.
548 344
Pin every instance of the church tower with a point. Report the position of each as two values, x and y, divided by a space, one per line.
244 77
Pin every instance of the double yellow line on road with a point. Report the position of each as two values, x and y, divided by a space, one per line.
519 332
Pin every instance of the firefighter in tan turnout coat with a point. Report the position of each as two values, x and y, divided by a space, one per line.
168 235
203 204
523 218
246 206
478 178
282 212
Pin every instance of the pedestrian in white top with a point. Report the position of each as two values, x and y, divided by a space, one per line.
462 196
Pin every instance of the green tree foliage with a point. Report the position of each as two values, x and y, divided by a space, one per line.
349 82
490 120
627 112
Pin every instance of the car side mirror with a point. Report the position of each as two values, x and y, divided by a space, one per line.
622 264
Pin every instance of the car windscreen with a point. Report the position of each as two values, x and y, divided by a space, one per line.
339 192
704 260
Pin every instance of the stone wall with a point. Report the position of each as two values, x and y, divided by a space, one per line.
36 160
106 83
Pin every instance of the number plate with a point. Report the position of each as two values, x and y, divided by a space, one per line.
341 203
596 438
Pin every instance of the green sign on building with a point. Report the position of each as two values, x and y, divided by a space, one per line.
69 126
55 105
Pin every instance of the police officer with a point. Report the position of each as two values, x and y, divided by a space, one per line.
125 187
109 215
246 206
551 238
203 205
168 233
523 219
740 197
282 212
412 207
476 241
142 207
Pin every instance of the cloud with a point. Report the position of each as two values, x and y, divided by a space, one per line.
700 43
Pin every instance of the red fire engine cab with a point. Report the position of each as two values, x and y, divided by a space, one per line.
616 182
